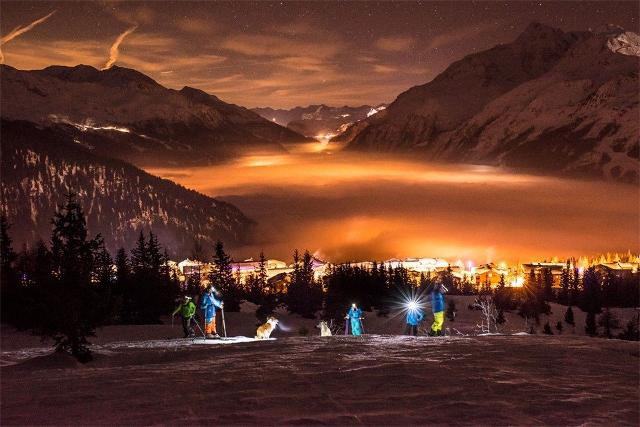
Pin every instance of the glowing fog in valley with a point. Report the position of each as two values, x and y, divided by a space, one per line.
352 206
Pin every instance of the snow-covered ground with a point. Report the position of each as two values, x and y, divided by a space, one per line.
148 375
373 380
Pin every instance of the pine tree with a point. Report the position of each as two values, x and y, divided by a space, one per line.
590 324
591 299
10 293
610 288
631 331
529 307
122 267
121 304
547 329
7 254
467 286
222 279
565 284
154 255
262 271
139 258
268 298
559 327
69 305
304 294
446 278
575 285
547 279
501 284
500 320
568 316
608 320
103 274
104 279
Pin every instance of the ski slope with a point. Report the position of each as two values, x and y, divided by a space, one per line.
340 380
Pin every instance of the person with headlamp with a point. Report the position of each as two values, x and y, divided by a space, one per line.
415 315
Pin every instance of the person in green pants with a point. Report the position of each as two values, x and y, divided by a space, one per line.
436 296
187 310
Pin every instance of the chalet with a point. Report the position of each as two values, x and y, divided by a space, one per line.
491 274
617 268
188 267
556 269
421 265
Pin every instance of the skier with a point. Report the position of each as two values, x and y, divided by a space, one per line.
436 296
355 315
415 315
208 304
187 310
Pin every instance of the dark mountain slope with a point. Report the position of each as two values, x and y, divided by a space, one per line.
40 165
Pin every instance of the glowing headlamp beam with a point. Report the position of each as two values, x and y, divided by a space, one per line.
412 305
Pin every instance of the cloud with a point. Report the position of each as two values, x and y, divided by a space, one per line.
304 63
383 69
114 50
31 55
21 30
394 43
278 46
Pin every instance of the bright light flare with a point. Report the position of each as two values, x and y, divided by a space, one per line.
408 300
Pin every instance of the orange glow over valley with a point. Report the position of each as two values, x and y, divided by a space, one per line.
345 206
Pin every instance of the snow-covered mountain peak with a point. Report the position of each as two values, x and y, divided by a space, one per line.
626 43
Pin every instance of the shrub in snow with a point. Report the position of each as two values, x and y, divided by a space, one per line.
631 331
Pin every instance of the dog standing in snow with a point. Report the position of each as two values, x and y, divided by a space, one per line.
264 330
325 331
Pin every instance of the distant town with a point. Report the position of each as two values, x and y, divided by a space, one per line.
479 276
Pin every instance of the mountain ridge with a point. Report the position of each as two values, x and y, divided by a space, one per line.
480 109
319 120
125 114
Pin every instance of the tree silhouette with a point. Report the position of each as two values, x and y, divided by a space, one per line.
222 279
304 294
69 301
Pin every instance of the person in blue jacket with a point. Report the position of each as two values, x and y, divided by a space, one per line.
415 315
436 296
208 304
355 316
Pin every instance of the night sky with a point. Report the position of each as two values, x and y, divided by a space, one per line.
284 54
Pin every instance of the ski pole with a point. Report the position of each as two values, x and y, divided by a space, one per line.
204 322
224 325
200 329
362 326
